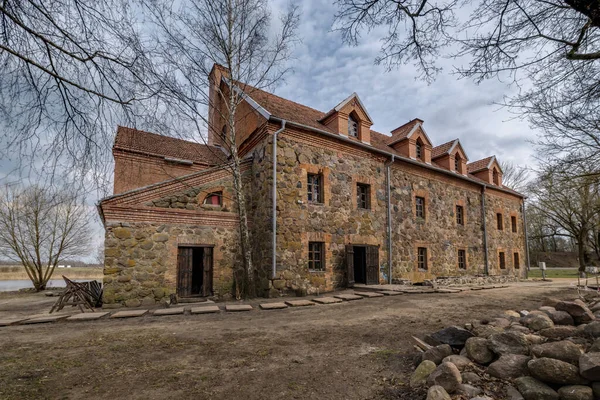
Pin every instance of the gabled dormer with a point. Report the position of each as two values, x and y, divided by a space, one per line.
451 156
351 119
487 170
411 141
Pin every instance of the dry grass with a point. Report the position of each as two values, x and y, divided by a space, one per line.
17 272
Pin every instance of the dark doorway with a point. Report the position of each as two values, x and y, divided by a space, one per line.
194 271
360 264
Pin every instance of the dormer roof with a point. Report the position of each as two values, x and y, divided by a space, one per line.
483 164
407 130
447 148
343 103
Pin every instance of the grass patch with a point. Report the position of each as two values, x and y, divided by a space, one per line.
554 273
9 273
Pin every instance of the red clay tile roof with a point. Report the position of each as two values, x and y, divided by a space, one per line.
402 131
165 146
442 149
478 165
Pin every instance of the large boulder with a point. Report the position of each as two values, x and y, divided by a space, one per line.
537 322
559 332
555 371
468 390
576 392
577 309
508 343
478 350
453 335
447 376
437 353
511 314
564 350
551 302
561 318
513 394
470 377
419 377
509 366
595 347
461 362
532 389
437 393
535 339
589 366
486 330
592 329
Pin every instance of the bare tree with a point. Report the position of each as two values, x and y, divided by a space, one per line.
571 203
514 176
549 49
191 37
39 227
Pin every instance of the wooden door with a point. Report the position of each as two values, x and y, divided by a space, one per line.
372 265
350 264
207 270
184 271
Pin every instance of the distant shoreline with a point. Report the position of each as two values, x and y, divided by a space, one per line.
90 273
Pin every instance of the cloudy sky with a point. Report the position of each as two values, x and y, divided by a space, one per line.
327 71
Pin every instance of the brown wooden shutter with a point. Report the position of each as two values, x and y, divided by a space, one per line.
350 264
208 271
184 271
372 265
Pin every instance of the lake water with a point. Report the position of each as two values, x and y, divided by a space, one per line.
8 286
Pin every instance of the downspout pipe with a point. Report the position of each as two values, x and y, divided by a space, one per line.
485 242
274 200
526 241
388 171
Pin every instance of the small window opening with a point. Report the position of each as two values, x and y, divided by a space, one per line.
352 127
457 163
420 207
495 177
462 259
502 260
315 188
363 192
460 215
214 199
422 258
499 221
419 150
315 256
516 260
513 222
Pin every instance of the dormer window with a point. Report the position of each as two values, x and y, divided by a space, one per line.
419 151
352 127
495 177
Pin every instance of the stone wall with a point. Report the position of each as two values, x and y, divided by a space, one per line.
141 260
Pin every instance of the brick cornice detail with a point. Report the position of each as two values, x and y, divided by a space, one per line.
170 215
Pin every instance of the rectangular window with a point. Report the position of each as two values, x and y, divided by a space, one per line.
516 260
363 192
499 221
316 261
460 215
422 258
315 188
420 206
462 259
502 260
513 222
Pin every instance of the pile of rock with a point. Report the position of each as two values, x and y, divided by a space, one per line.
547 354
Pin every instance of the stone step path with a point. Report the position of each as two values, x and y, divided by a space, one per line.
210 307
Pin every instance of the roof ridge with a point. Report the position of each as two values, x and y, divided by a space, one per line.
279 97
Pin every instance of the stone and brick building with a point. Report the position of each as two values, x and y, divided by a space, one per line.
352 206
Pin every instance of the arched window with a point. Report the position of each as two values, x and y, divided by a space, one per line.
456 163
495 177
214 199
419 149
352 127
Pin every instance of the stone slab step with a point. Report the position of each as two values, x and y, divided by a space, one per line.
273 306
205 310
418 291
87 316
448 290
44 319
327 300
169 311
238 307
477 288
12 321
129 314
368 294
348 297
299 303
390 293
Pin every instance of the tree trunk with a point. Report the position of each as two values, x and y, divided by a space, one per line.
581 252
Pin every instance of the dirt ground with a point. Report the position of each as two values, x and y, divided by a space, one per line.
355 350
